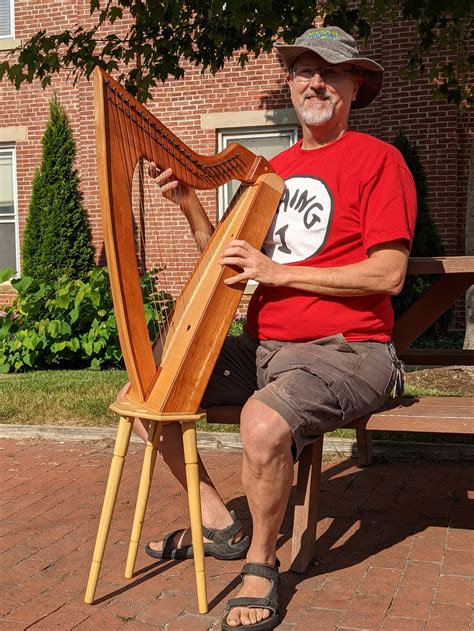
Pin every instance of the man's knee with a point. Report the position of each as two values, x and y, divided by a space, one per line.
264 432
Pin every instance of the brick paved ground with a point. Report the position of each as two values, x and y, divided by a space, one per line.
395 551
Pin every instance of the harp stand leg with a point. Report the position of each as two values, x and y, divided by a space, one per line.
116 467
149 460
194 499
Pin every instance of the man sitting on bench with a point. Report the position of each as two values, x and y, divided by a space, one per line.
316 352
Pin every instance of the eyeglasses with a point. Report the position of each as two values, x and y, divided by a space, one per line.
330 74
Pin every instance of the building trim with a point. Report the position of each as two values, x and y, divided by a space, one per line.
13 134
248 118
9 43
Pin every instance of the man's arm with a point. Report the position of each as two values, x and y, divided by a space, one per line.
383 272
185 197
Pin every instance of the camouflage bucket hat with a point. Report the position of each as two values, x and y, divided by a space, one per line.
335 46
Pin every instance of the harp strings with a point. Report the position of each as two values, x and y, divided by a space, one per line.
144 138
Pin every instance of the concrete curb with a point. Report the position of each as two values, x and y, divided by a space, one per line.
226 441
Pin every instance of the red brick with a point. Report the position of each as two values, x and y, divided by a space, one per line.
448 616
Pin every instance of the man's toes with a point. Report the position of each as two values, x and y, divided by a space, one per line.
252 615
233 619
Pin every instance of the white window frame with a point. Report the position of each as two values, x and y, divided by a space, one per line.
11 35
6 148
227 136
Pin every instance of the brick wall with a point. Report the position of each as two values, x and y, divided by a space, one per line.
440 131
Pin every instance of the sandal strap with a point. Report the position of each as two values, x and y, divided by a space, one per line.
167 546
253 603
264 570
223 535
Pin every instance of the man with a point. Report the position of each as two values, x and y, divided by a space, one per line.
316 353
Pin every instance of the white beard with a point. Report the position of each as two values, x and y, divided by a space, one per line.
318 112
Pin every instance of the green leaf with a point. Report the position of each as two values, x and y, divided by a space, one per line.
53 328
95 364
6 274
22 284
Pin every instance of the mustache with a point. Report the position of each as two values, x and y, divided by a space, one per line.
310 92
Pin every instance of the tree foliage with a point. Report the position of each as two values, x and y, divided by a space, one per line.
207 33
57 239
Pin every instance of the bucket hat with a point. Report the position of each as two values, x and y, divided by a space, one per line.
336 46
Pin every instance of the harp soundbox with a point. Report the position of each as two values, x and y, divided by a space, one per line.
170 389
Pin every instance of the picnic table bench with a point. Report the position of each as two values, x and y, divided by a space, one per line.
424 414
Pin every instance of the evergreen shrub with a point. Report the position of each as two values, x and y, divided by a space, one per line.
426 242
57 239
69 323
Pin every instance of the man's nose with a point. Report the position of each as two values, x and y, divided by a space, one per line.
316 80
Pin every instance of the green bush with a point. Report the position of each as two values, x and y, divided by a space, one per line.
426 242
69 323
57 239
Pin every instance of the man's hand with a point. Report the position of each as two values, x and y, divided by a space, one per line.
255 265
170 188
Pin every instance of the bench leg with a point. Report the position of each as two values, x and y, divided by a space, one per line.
303 546
364 446
116 467
149 460
194 498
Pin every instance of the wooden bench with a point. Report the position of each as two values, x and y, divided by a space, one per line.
426 414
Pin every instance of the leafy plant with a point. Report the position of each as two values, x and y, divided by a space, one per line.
69 323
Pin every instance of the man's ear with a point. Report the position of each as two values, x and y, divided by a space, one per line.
358 80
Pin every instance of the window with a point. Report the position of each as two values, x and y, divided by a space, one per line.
6 19
263 141
9 245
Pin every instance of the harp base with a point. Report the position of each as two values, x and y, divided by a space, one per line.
132 409
128 410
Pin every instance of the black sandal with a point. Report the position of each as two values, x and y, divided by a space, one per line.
270 601
222 547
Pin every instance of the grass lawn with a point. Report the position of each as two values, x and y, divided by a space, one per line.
82 397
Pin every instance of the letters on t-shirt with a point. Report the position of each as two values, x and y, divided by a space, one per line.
302 221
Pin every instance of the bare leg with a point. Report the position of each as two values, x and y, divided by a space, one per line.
214 511
267 475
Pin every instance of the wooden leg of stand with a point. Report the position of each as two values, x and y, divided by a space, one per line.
303 545
113 483
194 499
146 477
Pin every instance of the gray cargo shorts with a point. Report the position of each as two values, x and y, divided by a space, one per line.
315 386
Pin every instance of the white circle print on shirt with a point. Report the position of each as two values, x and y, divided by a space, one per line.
302 221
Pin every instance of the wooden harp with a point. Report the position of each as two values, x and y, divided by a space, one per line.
171 391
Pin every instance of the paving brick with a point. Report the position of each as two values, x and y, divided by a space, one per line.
456 589
448 616
380 581
459 562
363 557
427 549
336 593
420 573
413 601
365 612
320 619
395 623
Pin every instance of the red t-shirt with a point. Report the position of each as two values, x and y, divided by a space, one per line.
340 200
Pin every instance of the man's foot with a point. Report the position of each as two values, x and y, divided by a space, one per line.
256 605
225 543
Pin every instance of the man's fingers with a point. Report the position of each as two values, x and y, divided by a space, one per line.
238 278
169 186
232 260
